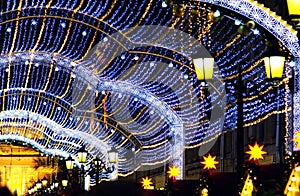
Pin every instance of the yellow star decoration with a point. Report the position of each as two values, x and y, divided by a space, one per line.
173 172
146 182
209 162
256 152
297 139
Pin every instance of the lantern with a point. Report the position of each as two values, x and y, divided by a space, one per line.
97 161
293 7
69 163
82 154
204 68
274 66
64 183
113 155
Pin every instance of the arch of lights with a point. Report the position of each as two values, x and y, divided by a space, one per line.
266 18
70 136
79 23
287 35
35 122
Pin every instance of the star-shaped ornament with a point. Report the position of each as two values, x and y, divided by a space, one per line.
146 182
173 172
209 162
256 152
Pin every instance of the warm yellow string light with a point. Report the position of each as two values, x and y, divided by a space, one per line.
234 40
254 65
261 93
145 12
91 44
17 27
262 118
68 87
42 28
155 145
287 111
72 20
48 77
204 142
149 129
108 12
53 108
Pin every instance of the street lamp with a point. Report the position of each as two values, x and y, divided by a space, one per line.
98 163
69 163
113 158
113 155
274 66
294 14
82 154
204 68
293 7
64 183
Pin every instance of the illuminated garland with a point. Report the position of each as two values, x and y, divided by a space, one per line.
39 75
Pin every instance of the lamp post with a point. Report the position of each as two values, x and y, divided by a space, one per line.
64 183
54 186
82 154
113 159
98 164
204 68
293 7
99 167
69 163
274 66
113 155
